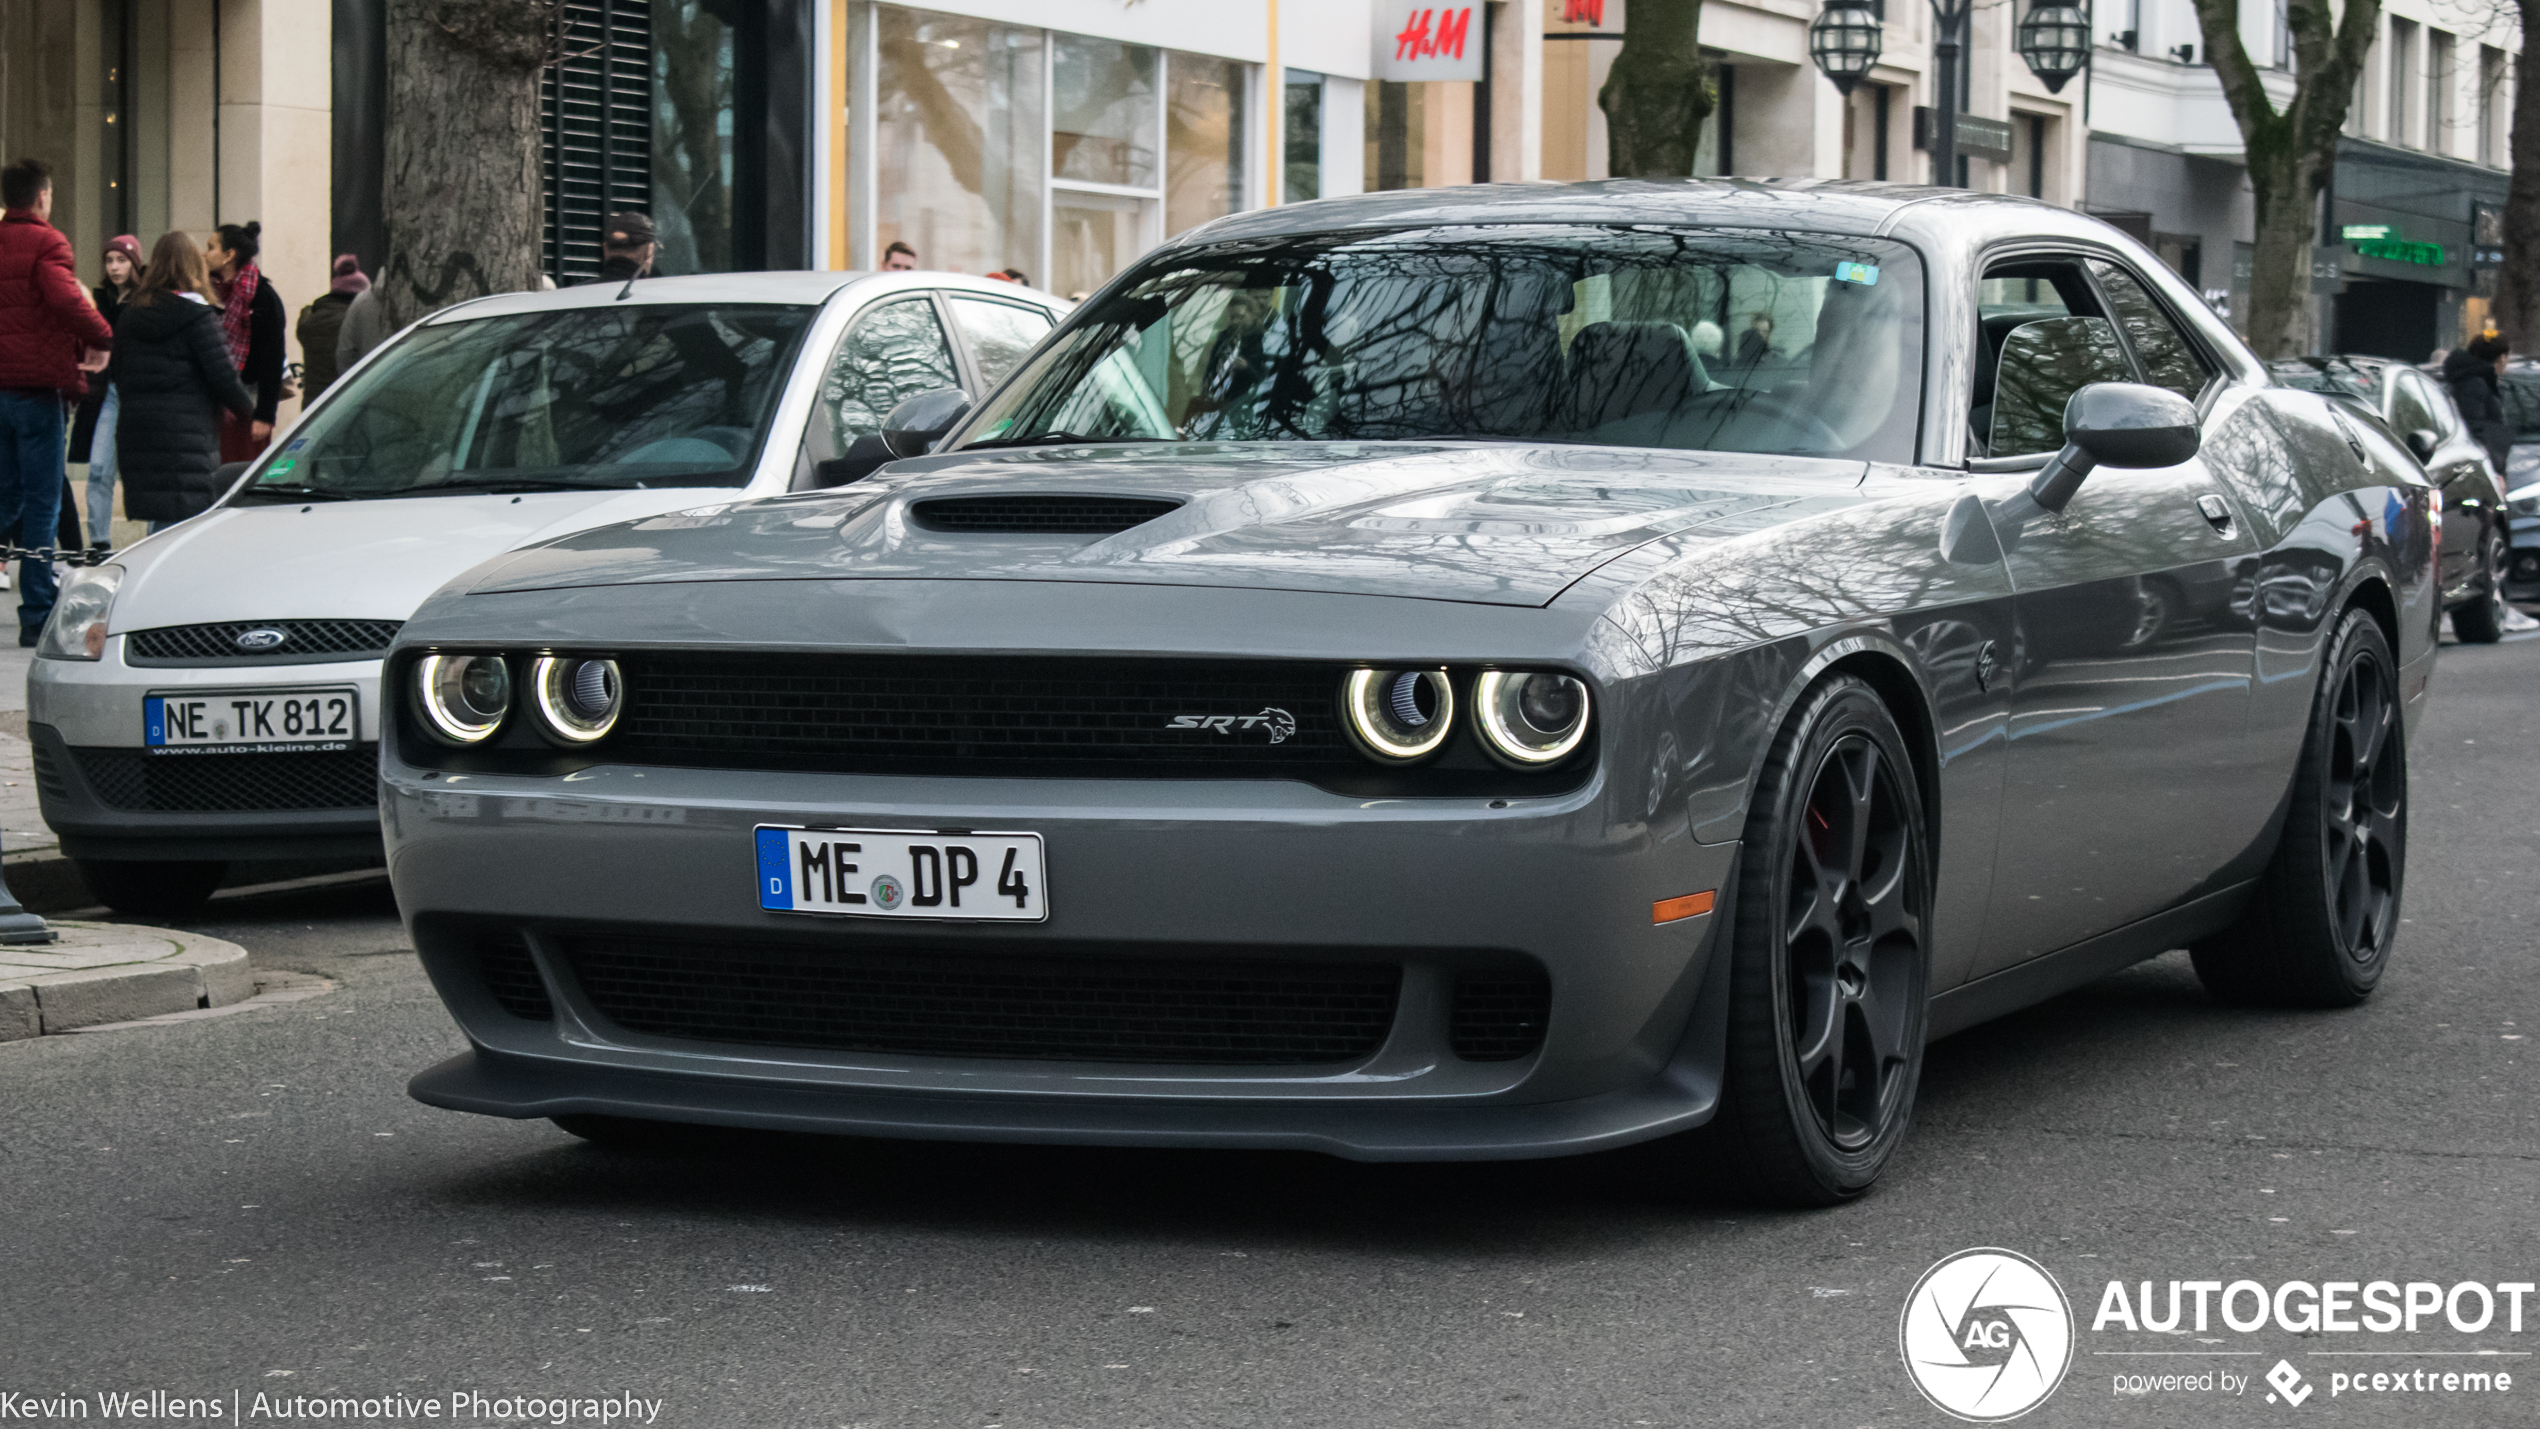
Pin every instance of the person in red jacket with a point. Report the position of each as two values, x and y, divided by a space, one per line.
50 335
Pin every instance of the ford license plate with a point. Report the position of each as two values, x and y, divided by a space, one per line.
902 873
318 721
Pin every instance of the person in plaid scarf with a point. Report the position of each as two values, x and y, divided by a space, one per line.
252 319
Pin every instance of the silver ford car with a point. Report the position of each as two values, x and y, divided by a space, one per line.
1491 673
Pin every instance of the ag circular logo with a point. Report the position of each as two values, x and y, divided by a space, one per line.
1987 1335
887 894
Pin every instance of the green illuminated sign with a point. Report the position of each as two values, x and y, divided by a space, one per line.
2423 255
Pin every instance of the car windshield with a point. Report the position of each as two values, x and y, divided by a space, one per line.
1724 340
584 398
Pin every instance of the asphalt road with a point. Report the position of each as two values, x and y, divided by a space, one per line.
252 1204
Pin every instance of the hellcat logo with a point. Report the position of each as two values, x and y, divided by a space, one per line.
1278 723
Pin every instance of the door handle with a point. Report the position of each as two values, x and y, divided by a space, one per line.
2217 514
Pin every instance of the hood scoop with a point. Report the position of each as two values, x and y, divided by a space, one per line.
1024 513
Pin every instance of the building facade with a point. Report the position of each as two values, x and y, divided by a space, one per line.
2402 266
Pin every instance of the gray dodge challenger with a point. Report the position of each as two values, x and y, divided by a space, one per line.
1482 673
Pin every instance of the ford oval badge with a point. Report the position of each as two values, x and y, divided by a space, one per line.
261 638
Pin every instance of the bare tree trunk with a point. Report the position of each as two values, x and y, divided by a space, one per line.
463 188
1658 93
2288 152
2518 281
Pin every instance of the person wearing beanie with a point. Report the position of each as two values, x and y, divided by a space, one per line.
2472 376
322 323
628 246
93 432
251 318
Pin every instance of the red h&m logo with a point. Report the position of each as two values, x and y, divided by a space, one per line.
1454 23
1591 11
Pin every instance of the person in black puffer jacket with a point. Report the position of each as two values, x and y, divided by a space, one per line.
173 376
2471 375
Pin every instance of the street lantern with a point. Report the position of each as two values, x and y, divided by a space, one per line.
2055 40
1845 40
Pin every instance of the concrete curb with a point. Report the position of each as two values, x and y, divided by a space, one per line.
115 972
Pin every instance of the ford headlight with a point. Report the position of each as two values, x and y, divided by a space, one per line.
463 698
578 698
1397 716
77 630
1530 719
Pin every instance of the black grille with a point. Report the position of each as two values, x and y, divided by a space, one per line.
207 783
502 959
48 774
950 1005
595 125
304 642
1048 515
1499 1019
879 712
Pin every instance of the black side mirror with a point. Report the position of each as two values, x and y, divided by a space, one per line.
915 425
2423 442
2119 424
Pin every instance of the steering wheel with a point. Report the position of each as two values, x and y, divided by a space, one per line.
1744 404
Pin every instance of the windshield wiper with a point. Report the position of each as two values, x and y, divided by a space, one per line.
290 492
505 485
1057 439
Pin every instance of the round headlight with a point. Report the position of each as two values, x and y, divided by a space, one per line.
463 697
1530 719
1399 715
578 698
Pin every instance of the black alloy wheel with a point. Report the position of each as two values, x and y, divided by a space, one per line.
2321 922
1831 959
2482 621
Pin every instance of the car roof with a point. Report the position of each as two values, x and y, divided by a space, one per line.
799 289
1841 206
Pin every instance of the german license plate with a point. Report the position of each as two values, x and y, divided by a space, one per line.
252 721
901 873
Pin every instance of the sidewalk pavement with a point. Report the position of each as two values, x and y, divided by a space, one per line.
99 973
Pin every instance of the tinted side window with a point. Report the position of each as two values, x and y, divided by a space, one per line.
998 334
2411 406
2043 363
893 353
2169 359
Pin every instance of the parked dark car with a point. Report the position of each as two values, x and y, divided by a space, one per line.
2413 405
1380 681
2522 478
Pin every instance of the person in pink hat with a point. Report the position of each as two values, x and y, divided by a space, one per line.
322 322
93 433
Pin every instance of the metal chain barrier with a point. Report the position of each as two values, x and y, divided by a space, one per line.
47 553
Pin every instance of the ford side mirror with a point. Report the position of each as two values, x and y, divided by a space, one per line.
2422 442
915 425
2119 424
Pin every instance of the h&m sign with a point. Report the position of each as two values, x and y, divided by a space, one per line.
1424 39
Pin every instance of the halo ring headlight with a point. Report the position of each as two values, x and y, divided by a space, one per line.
579 698
1398 716
463 698
1530 718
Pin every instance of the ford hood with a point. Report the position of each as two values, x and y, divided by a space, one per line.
355 560
1502 524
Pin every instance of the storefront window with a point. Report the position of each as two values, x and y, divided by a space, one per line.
1204 136
1301 139
1093 236
692 136
1397 135
959 122
1102 114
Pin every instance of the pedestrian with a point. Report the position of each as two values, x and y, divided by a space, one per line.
50 336
176 379
2473 377
627 248
93 432
363 329
322 324
251 318
899 258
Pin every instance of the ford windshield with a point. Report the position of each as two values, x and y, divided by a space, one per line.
1725 340
578 399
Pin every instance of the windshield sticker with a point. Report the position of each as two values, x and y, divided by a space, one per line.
281 467
1865 274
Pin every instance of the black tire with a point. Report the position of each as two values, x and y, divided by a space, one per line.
151 890
2319 926
1830 963
2482 621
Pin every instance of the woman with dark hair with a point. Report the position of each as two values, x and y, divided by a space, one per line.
93 434
251 319
176 382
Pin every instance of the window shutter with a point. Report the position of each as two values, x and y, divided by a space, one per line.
595 116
